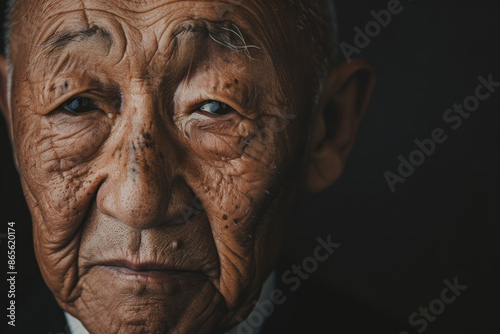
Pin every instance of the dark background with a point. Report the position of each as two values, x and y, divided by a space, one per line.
443 222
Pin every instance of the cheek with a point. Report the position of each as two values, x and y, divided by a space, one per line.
60 142
233 188
55 153
240 159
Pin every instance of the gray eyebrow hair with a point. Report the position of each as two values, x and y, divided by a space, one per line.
225 39
62 39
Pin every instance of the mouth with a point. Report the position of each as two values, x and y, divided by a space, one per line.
143 271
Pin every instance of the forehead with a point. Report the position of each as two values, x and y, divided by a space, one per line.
36 21
141 30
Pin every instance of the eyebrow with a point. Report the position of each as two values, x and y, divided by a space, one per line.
62 39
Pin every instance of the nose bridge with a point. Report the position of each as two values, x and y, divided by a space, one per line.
140 184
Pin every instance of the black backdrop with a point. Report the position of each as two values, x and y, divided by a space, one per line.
442 223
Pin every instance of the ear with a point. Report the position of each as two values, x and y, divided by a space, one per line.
4 104
343 102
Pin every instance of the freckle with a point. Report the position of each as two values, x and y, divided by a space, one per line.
228 85
237 206
88 194
74 209
227 226
64 88
235 221
226 60
236 81
224 217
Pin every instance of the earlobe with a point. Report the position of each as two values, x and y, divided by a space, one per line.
344 100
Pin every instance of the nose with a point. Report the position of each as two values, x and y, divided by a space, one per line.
138 188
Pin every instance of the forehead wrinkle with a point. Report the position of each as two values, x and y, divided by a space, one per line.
243 15
219 10
186 42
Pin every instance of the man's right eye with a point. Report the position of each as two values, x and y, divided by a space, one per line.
79 105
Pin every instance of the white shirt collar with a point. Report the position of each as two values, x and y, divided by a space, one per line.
76 327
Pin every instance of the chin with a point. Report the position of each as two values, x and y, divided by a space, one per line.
122 300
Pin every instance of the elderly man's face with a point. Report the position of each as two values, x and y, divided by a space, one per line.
156 144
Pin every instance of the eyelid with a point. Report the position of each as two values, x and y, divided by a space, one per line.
48 108
51 95
102 101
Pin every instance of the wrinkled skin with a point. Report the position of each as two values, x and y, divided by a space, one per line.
150 213
110 190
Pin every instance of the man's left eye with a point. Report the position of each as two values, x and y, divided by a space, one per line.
79 105
216 108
